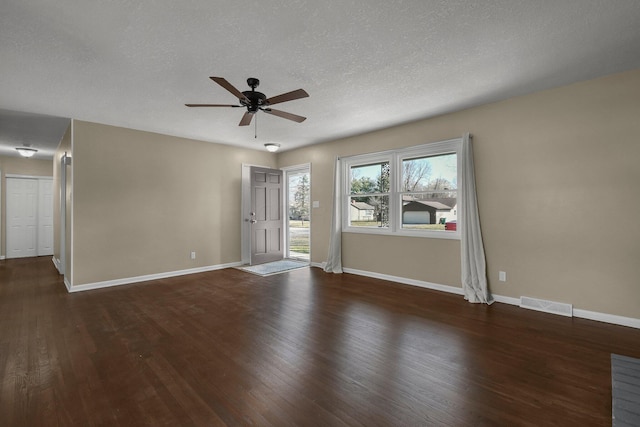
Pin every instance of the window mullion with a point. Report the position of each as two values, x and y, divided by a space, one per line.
394 211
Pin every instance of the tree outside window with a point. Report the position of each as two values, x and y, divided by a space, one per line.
370 192
299 209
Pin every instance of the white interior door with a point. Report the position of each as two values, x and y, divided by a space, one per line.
45 217
22 217
266 220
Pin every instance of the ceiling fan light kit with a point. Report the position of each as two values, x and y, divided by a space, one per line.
255 101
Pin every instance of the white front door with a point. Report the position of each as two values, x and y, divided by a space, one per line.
22 217
266 215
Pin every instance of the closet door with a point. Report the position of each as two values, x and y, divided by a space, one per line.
22 217
45 217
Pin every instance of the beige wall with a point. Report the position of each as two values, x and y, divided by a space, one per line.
143 201
18 166
549 168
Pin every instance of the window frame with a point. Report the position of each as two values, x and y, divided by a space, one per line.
395 159
364 160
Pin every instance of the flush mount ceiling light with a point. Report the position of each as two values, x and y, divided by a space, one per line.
271 147
26 151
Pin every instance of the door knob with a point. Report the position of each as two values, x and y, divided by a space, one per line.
253 221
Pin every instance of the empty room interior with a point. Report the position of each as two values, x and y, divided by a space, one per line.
442 183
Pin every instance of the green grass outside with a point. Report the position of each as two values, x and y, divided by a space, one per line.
299 244
295 223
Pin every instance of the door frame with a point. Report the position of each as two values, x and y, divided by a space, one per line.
65 161
1 199
245 208
304 167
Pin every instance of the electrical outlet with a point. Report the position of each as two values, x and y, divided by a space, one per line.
193 255
502 276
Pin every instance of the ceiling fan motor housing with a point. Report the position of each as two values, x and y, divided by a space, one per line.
256 99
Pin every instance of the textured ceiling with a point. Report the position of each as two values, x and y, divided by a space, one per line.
366 64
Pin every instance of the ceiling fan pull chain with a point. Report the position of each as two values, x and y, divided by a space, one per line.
256 127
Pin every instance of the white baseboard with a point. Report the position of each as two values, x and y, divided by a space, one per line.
584 314
607 318
404 280
67 284
145 278
317 264
1 257
56 262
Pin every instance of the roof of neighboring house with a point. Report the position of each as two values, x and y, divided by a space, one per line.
433 204
362 206
448 201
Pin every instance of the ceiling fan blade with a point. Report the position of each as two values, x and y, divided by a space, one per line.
289 96
228 86
246 119
212 105
285 115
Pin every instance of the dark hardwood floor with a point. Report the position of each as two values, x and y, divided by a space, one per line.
303 348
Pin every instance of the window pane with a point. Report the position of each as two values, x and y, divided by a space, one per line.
430 173
369 211
430 211
372 178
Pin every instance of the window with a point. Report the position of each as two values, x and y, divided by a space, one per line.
369 194
412 191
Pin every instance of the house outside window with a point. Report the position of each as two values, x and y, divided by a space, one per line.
412 191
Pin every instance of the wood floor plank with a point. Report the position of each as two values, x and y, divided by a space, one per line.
301 348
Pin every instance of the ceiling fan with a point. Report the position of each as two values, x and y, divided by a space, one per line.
254 101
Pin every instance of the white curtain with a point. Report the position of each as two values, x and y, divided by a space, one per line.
474 267
334 257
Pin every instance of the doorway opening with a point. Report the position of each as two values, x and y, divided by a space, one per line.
298 209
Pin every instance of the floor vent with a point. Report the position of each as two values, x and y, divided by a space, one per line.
547 306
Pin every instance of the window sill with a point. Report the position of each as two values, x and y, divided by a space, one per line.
405 233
